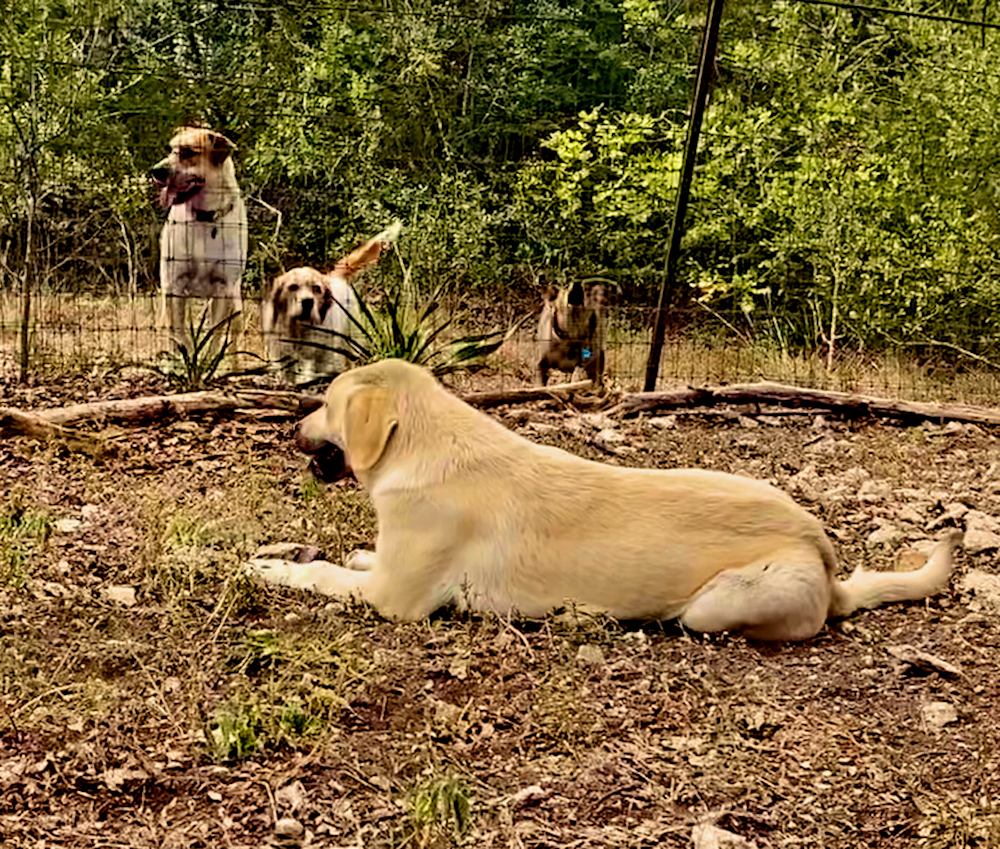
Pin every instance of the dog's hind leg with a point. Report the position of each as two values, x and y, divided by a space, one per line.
226 314
175 307
783 597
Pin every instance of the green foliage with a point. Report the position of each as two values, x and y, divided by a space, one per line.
235 731
24 529
832 207
198 364
606 197
440 811
293 689
846 192
244 726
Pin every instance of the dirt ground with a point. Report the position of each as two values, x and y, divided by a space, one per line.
152 696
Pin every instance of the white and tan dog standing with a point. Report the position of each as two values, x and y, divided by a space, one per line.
473 515
307 313
203 246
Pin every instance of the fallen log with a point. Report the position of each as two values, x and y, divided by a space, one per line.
150 407
164 407
37 427
796 396
533 393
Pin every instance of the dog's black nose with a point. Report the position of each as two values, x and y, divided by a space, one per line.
307 307
160 175
330 465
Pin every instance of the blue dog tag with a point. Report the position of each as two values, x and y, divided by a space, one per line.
586 353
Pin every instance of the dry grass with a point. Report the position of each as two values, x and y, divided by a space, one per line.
212 708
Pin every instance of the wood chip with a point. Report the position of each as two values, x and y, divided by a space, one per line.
923 660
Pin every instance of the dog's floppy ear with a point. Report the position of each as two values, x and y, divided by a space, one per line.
221 149
326 302
369 420
272 306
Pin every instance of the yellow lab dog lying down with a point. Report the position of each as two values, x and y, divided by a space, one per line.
473 515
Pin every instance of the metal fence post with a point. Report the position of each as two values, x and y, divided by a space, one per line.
706 69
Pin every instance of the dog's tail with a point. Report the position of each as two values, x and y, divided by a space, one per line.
870 589
391 233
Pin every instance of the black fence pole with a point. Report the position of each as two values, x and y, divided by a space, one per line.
706 69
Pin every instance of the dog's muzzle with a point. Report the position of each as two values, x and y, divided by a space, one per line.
305 314
329 463
170 190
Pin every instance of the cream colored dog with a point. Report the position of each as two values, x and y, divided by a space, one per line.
203 246
473 515
308 313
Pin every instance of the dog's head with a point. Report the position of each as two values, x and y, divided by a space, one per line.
303 296
574 315
198 157
353 430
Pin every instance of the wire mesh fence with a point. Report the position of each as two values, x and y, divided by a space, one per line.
843 229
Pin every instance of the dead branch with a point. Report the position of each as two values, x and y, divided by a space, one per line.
795 396
164 407
150 407
37 427
514 396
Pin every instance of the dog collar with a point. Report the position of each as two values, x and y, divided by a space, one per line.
208 216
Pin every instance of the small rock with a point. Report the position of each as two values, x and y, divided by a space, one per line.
939 714
590 655
887 535
289 830
664 422
609 434
985 588
952 513
906 513
856 476
874 491
124 596
746 421
982 532
529 795
67 526
806 484
707 836
291 796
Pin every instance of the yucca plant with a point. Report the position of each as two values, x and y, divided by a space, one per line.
410 328
197 366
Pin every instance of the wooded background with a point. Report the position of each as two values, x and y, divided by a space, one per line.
846 190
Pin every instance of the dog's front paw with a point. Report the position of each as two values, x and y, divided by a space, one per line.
274 571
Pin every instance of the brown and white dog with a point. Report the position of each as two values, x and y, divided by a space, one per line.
571 331
307 313
203 246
